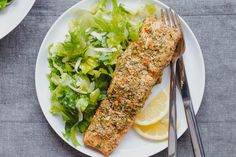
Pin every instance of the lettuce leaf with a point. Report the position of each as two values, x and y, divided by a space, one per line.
3 3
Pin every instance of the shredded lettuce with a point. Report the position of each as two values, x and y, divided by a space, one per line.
83 64
3 3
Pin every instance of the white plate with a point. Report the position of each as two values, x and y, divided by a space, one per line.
11 16
132 144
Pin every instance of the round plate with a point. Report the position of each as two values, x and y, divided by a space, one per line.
132 144
11 16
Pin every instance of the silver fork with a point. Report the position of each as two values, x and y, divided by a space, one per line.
180 77
170 18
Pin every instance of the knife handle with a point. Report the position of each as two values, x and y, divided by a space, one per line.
172 134
193 128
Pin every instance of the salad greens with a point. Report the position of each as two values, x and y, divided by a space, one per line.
3 3
82 66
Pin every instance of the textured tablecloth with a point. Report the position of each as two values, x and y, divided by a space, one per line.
24 131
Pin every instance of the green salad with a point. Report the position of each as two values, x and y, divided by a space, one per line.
82 65
3 3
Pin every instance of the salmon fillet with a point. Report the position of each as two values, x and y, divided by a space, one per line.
138 69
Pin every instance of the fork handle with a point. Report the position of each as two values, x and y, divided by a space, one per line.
172 140
193 128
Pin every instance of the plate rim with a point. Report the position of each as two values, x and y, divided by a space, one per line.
20 19
77 5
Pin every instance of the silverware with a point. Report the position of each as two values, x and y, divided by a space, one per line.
170 18
182 83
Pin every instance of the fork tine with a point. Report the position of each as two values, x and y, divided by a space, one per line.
167 17
178 22
172 17
162 16
177 18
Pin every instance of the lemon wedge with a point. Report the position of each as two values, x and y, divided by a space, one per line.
157 131
155 111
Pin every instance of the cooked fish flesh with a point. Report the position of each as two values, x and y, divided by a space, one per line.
138 69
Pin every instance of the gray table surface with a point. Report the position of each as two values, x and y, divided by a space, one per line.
24 131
